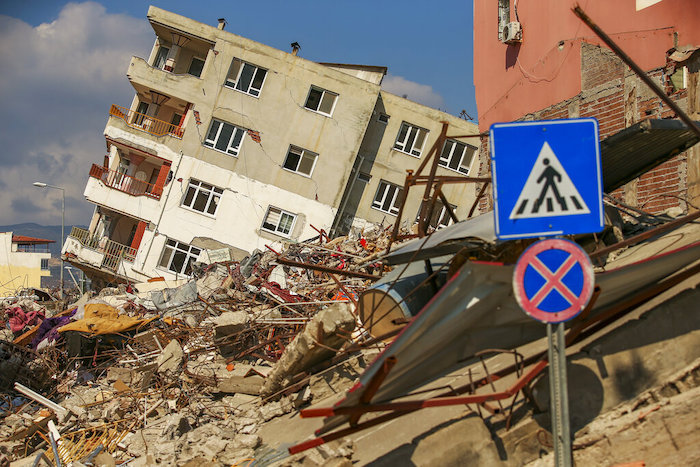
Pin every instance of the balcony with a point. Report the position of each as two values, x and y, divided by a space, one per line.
125 183
182 86
143 122
101 253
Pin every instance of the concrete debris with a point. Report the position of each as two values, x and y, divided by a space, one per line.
322 337
214 370
171 372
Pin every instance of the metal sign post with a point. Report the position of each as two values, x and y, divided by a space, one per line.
558 396
553 282
547 182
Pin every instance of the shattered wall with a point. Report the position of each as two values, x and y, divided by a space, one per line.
617 98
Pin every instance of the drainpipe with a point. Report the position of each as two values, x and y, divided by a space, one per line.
344 202
162 210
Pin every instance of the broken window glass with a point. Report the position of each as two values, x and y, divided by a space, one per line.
178 257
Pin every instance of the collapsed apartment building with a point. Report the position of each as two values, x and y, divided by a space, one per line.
229 145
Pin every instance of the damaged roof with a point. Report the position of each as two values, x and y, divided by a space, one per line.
629 153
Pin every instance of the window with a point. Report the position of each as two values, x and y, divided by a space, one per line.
321 101
161 57
245 77
457 156
178 257
387 198
440 217
224 137
44 264
300 161
383 118
202 197
279 221
411 139
177 118
364 177
196 67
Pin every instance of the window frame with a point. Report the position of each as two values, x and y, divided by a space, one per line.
439 214
380 196
233 84
163 57
213 193
323 92
303 152
172 247
44 264
211 143
446 161
204 62
276 228
400 145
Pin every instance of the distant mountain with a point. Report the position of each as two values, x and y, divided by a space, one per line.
48 232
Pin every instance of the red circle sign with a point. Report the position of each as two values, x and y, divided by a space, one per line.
546 278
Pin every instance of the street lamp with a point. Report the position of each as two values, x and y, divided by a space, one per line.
63 222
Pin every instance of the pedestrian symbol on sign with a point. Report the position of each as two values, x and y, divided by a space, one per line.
548 190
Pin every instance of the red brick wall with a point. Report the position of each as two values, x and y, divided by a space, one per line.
605 81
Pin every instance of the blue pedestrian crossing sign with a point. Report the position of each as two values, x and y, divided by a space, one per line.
546 178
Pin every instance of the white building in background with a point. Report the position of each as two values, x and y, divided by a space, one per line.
229 145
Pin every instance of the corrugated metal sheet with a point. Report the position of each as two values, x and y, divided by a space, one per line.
631 152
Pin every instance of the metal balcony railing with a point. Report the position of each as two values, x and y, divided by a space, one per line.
146 123
124 183
113 251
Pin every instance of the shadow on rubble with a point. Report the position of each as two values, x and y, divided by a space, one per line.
621 364
402 455
668 320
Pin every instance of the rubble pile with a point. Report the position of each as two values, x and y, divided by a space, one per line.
172 372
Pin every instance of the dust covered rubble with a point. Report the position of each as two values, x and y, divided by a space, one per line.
172 372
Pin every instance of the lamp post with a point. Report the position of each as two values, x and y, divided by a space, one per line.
63 222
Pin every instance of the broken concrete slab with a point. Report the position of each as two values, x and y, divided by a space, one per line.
241 385
328 330
170 359
227 326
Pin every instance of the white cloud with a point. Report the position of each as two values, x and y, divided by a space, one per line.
56 85
421 93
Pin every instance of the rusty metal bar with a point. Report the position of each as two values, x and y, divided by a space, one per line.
404 195
435 402
646 235
448 208
423 179
638 71
440 142
478 198
316 267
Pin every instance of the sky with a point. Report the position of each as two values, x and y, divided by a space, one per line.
64 64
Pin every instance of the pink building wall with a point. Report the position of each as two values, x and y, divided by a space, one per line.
514 80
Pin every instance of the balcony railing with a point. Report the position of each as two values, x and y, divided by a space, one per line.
125 183
113 251
143 122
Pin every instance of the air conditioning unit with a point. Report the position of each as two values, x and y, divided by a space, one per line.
512 33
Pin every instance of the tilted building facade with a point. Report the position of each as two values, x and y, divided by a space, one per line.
230 145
